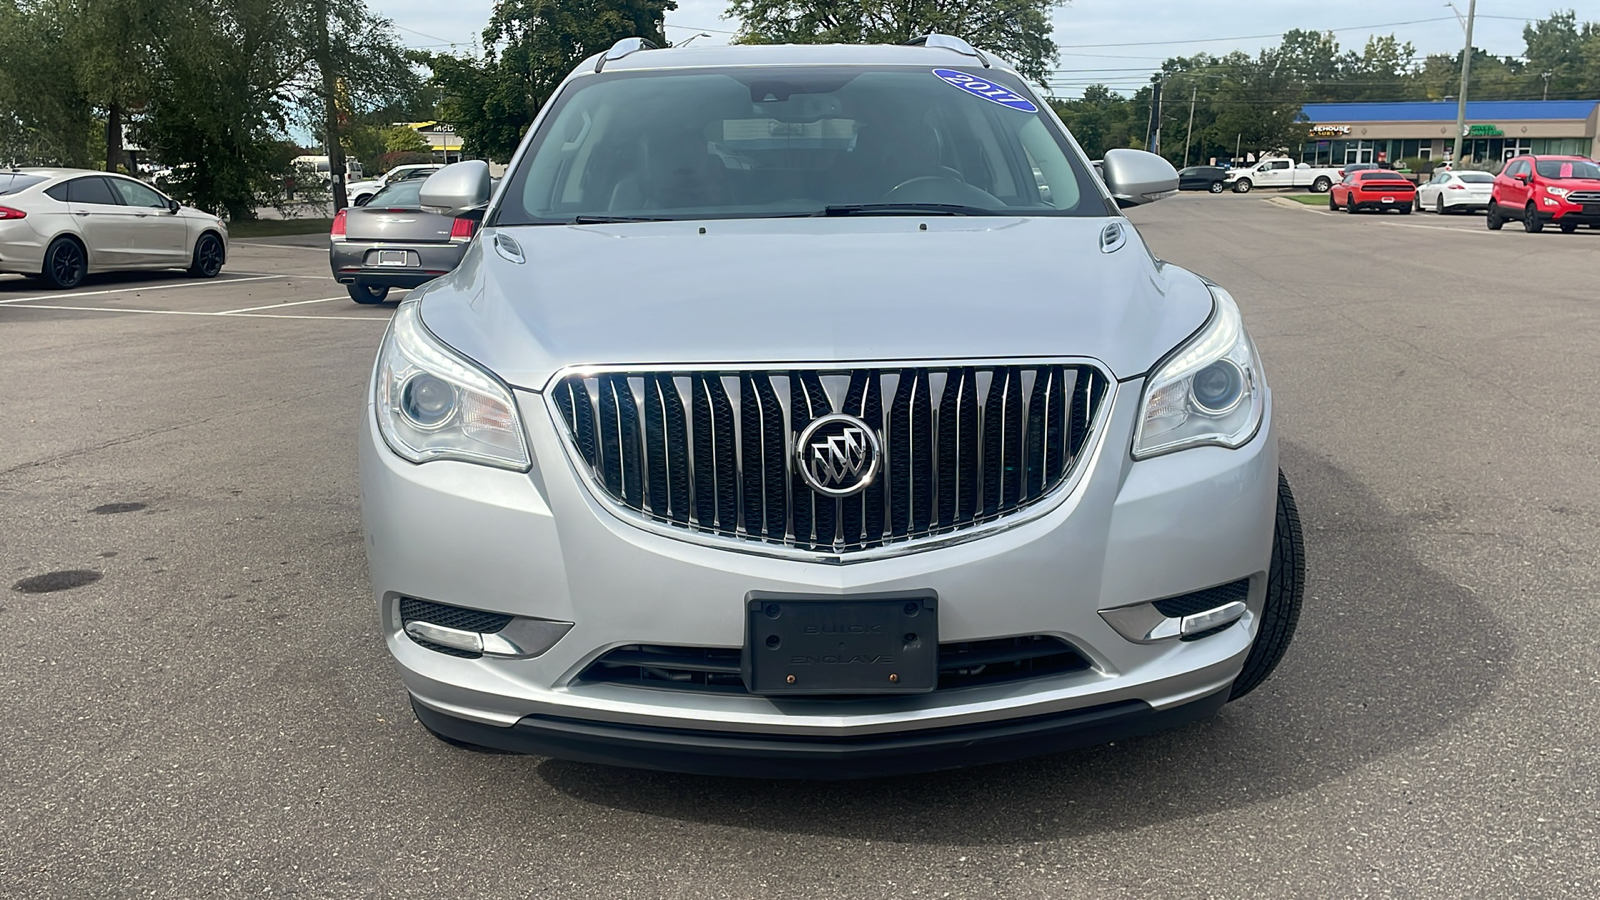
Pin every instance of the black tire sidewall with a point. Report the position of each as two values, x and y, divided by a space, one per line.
196 267
48 271
367 294
1280 608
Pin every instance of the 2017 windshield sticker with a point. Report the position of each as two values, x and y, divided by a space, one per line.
988 90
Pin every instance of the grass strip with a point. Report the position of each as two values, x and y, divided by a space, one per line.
275 227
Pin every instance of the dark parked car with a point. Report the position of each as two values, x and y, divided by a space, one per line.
1202 178
393 243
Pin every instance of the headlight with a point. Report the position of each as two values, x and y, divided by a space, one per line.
433 403
1209 391
1558 191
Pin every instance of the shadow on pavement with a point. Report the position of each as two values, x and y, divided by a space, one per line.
1389 654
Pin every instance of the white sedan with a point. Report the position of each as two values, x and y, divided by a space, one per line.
62 224
1455 191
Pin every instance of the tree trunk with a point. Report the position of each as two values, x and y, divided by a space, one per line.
330 105
113 136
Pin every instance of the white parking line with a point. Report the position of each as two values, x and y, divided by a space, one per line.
134 288
1323 212
185 312
235 312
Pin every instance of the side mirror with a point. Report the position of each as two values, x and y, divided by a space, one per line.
456 188
173 205
1522 177
1134 177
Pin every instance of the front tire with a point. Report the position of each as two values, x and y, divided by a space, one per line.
1242 186
364 293
65 263
1215 187
1530 220
1492 219
208 257
1280 610
1438 205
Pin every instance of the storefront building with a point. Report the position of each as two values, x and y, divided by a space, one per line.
1343 133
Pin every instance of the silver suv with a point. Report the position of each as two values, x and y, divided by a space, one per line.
813 411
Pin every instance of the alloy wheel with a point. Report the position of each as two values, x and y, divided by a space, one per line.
66 264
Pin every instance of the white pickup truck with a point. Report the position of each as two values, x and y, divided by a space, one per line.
1279 172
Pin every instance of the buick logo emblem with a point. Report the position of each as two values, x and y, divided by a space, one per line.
838 455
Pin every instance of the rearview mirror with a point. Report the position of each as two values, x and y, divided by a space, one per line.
456 188
1134 177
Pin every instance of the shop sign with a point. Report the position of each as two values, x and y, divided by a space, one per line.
1483 131
1329 130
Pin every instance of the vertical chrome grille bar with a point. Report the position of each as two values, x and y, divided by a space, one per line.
961 446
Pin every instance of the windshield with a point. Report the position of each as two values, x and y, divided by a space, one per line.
400 195
1567 168
763 142
11 182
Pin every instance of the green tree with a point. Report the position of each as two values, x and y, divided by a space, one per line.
1100 120
44 117
1018 30
531 45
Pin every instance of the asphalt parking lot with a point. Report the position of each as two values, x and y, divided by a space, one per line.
212 713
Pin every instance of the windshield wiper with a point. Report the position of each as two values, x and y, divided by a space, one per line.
904 209
609 220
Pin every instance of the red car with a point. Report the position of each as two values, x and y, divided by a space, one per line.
1541 190
1373 189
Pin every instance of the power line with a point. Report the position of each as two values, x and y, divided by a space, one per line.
1253 37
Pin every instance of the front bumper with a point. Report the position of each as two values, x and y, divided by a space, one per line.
539 545
869 756
351 262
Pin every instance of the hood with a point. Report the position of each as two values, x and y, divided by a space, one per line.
811 290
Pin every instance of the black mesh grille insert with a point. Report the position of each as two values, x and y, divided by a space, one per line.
965 664
1006 659
713 451
1200 601
414 610
684 668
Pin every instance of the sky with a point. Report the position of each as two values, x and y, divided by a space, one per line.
1114 42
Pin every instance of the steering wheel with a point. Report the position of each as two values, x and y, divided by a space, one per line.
941 189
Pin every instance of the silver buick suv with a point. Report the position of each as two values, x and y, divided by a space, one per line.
813 411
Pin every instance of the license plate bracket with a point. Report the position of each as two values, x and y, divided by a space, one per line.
393 258
831 645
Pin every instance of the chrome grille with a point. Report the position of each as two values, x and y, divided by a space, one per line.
711 452
1584 197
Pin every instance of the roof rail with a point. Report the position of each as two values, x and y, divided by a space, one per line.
623 48
946 42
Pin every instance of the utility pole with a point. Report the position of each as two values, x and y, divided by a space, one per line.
1193 94
330 105
1466 72
1160 105
1546 86
1151 128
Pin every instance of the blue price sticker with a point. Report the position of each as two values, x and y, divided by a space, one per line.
988 90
